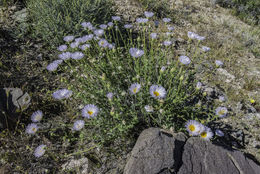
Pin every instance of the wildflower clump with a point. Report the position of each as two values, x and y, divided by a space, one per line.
128 82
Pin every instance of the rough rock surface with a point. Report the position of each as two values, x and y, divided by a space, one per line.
159 152
202 157
156 152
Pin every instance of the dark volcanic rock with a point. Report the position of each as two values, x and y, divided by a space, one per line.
156 152
159 152
202 157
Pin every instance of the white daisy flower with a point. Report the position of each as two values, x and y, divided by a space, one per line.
158 92
31 128
90 111
62 94
221 111
135 88
194 127
184 60
206 134
65 55
68 38
148 108
79 124
37 116
40 150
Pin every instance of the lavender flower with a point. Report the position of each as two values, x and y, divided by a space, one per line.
110 24
153 35
219 133
79 124
103 43
116 18
62 47
167 43
110 95
79 40
64 55
87 25
90 111
37 116
39 151
141 20
77 55
85 46
206 49
198 85
135 52
127 26
166 20
221 98
221 112
206 134
148 14
134 88
184 60
58 61
62 94
74 44
158 92
111 46
31 128
87 37
99 32
68 38
218 63
52 66
200 38
192 35
103 26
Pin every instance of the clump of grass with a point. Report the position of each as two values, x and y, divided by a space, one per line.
52 19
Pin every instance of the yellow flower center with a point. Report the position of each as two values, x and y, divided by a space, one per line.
135 90
191 127
222 112
34 129
102 42
203 134
90 112
156 93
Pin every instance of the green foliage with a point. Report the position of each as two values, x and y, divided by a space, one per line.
53 19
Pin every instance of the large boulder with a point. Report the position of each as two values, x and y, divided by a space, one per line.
12 101
202 157
156 151
159 152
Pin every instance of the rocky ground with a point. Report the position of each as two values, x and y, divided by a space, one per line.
236 43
